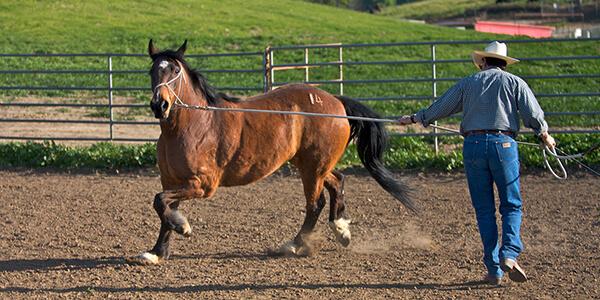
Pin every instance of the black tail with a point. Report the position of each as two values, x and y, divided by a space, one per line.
371 141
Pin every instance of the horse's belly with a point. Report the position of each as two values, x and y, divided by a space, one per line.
242 171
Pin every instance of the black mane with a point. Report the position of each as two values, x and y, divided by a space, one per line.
199 82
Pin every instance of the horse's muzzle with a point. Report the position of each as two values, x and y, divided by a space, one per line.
160 107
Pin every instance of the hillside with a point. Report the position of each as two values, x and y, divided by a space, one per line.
211 25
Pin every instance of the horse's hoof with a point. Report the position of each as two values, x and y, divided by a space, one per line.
341 230
144 259
185 229
289 248
344 240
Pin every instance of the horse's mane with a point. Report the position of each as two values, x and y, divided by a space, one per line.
199 82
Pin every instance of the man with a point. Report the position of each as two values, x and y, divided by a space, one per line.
491 101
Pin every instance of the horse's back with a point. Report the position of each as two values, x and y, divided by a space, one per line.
267 141
300 98
323 139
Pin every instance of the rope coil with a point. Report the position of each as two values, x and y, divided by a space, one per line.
546 152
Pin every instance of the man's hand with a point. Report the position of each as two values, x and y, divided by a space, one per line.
406 120
548 140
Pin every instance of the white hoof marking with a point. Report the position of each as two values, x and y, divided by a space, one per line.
341 229
187 229
151 259
289 248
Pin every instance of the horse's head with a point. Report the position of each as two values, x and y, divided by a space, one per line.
167 76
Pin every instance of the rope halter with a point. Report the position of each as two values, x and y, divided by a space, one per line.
179 77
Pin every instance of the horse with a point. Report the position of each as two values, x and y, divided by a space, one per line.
199 150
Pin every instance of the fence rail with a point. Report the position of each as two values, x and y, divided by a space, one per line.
264 70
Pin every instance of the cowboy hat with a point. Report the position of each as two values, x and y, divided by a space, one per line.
493 49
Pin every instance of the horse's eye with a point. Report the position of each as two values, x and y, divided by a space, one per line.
177 69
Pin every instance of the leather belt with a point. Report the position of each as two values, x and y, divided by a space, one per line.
505 132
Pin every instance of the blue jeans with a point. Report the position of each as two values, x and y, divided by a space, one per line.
489 159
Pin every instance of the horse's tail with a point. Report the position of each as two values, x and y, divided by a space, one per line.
371 141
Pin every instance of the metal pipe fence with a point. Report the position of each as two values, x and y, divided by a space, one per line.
433 78
259 74
107 102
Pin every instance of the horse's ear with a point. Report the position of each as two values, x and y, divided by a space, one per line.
151 49
181 49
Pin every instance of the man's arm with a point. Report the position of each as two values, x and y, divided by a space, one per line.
530 110
533 115
448 104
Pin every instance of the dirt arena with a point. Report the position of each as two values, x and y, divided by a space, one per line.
66 236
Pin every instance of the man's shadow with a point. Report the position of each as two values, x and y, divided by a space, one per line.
474 285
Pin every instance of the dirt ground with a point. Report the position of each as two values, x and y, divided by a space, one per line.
65 235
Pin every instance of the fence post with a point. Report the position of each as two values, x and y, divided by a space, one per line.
306 78
271 70
110 96
341 70
434 93
266 70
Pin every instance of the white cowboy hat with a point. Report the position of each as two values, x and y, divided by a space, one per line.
493 49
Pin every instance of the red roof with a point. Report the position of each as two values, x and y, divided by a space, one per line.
534 31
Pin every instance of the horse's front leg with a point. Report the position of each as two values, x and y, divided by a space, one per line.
166 206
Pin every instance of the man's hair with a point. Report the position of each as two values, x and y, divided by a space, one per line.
495 62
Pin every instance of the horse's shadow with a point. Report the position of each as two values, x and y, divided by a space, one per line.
17 265
470 285
268 254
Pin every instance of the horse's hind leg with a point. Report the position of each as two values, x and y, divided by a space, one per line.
339 224
315 201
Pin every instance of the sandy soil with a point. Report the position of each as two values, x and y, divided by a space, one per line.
66 236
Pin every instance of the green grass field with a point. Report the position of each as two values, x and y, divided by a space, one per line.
233 26
210 25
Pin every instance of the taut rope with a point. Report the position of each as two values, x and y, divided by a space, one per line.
545 150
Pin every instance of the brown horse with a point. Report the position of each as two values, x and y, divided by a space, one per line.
200 150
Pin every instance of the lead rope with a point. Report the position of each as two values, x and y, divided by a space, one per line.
545 150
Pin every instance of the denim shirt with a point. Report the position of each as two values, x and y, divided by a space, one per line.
491 99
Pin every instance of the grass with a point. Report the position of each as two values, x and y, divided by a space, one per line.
402 154
210 25
106 156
